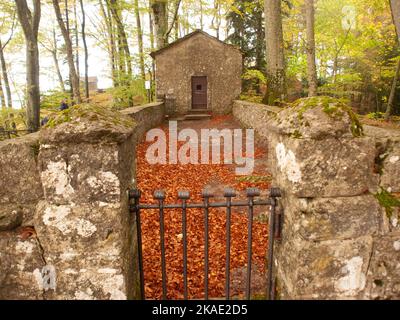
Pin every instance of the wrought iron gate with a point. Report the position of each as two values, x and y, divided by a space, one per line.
275 222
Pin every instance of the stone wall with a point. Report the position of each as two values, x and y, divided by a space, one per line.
254 116
337 241
65 229
146 117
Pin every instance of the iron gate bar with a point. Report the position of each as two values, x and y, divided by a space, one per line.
160 196
274 193
228 194
135 195
251 193
275 224
206 196
184 196
211 205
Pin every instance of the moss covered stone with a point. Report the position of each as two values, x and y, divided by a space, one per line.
87 123
89 112
318 118
334 108
388 201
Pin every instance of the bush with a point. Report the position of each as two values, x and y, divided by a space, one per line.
10 116
125 96
252 98
375 115
253 80
51 100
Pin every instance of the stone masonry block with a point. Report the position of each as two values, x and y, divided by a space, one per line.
384 274
334 269
333 167
332 218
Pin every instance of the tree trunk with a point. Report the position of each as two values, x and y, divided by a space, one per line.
176 29
392 96
153 64
162 29
216 20
395 5
2 97
140 39
260 42
160 15
30 26
76 31
70 54
85 49
32 76
201 15
57 66
56 63
276 82
124 51
5 76
311 65
68 30
111 40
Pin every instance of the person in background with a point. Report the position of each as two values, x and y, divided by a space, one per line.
64 105
44 121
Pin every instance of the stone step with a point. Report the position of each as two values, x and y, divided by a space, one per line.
198 116
199 111
174 118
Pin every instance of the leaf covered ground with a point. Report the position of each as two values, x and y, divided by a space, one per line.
195 178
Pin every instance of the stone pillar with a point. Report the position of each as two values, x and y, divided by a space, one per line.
20 191
325 168
83 225
170 103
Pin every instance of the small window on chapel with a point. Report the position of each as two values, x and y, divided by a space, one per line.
198 87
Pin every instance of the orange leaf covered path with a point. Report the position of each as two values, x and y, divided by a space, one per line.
194 178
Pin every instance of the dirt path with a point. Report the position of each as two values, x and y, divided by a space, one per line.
195 178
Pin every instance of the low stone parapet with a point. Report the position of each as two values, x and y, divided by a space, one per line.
65 228
340 237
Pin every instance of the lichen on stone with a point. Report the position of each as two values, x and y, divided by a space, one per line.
334 108
89 112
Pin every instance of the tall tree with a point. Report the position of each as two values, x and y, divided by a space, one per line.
4 65
217 17
276 79
50 44
395 6
201 12
245 19
311 64
30 25
392 95
76 36
160 20
106 14
85 47
124 55
2 97
152 47
161 26
140 39
70 55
